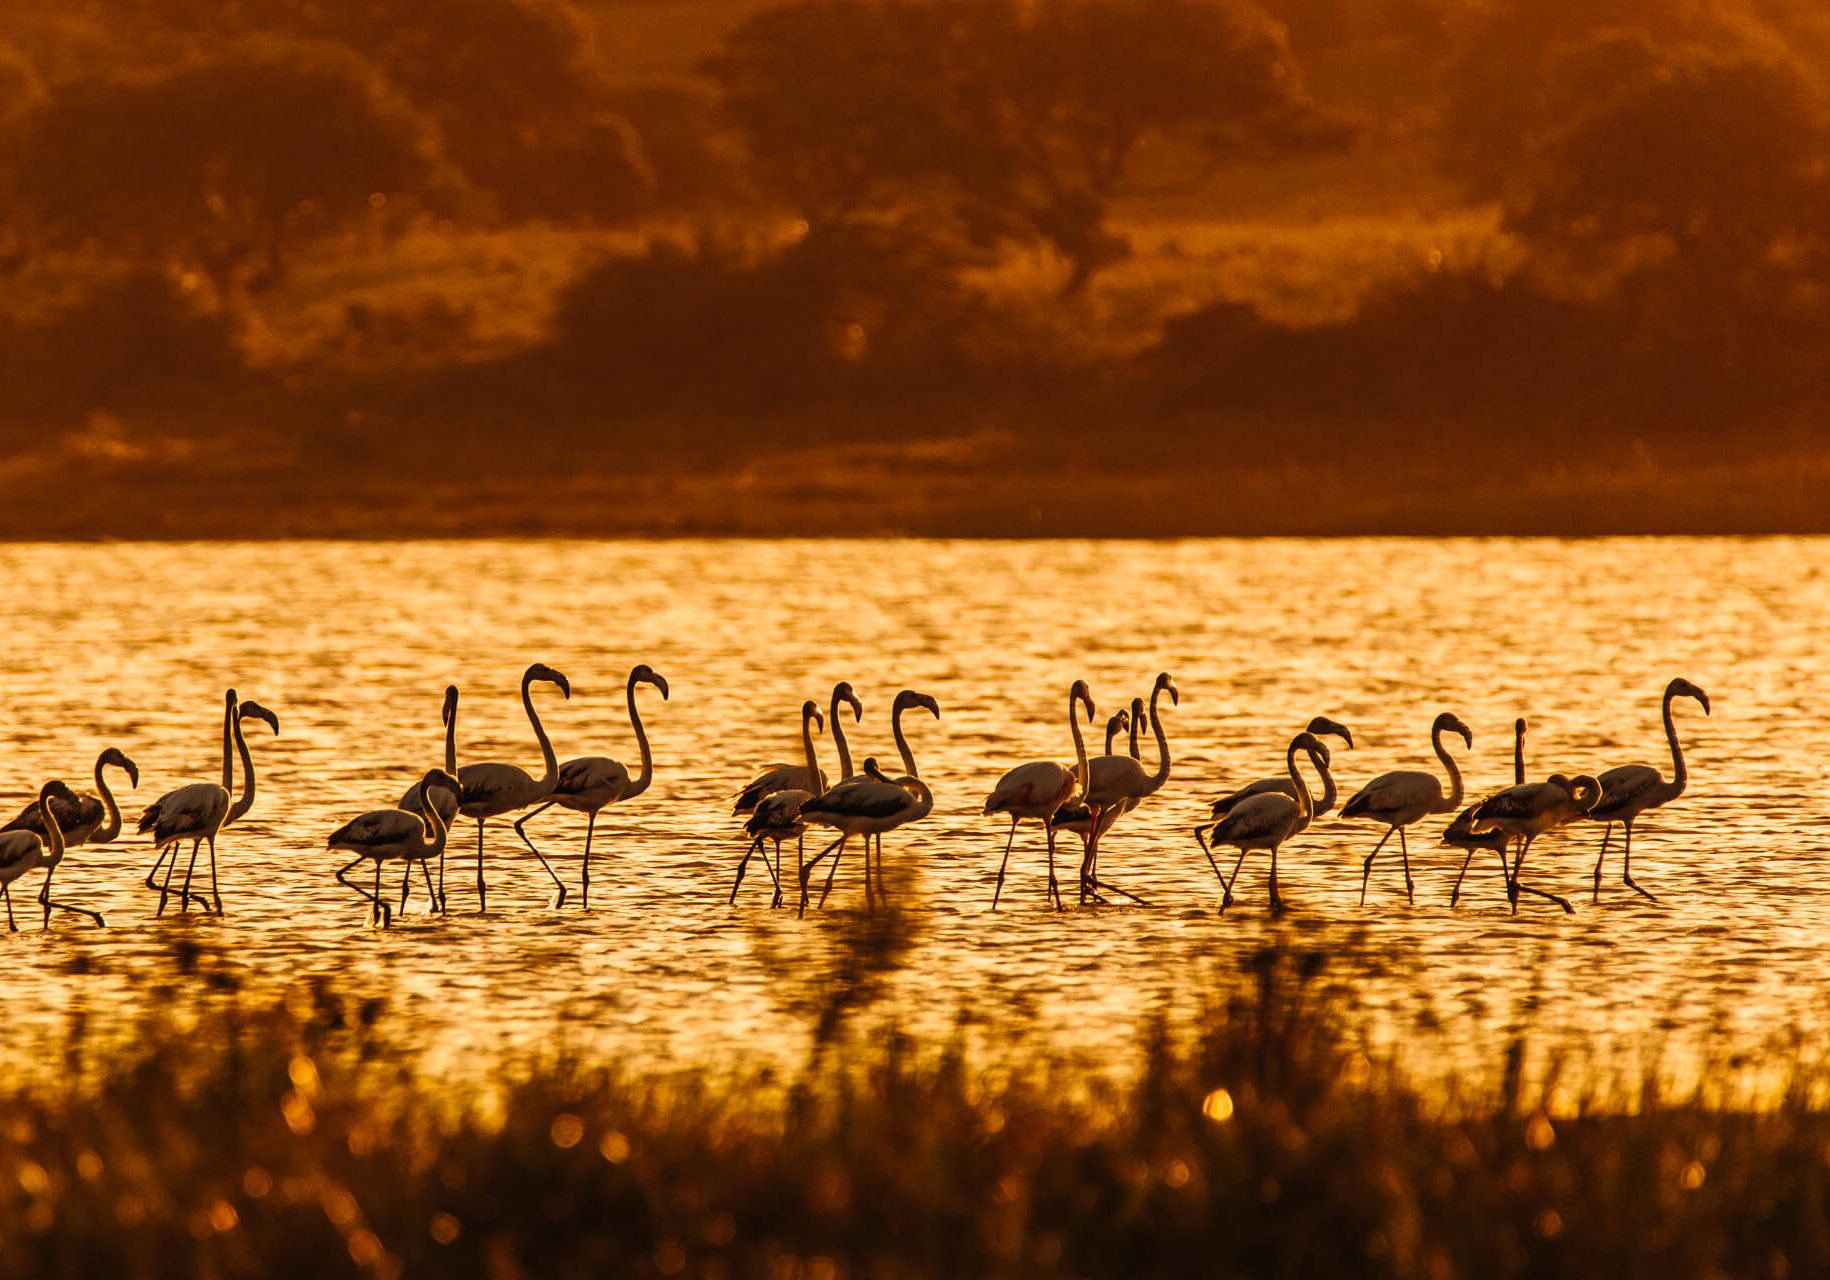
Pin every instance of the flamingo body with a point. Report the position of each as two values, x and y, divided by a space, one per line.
1401 797
1629 790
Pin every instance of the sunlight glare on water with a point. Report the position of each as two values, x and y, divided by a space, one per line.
352 645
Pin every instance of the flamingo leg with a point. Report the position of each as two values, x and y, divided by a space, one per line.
482 893
1227 900
838 852
1277 902
343 876
406 887
1455 893
754 846
1054 885
1517 887
1202 841
426 871
381 906
1366 871
806 871
585 884
7 890
165 885
44 896
775 873
214 892
1626 861
1410 890
165 851
190 869
559 897
1601 858
882 888
999 891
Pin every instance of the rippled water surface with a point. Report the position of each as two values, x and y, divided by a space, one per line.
352 645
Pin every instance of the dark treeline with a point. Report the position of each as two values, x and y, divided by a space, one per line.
283 239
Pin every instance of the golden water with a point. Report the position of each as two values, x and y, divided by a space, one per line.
352 645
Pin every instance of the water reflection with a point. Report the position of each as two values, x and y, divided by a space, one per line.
353 645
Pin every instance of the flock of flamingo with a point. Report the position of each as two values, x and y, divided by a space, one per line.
1084 798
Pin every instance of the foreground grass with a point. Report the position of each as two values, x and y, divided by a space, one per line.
293 1140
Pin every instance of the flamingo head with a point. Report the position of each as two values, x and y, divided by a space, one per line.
872 770
1165 683
909 698
255 711
1681 687
1586 790
1139 716
1449 722
843 692
450 708
810 710
1083 696
116 757
56 790
540 671
645 674
1322 724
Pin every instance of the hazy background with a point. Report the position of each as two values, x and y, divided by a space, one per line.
273 267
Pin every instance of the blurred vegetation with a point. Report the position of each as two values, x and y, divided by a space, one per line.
244 1136
1445 241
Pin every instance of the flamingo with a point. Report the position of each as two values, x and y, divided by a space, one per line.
590 783
198 811
1119 782
783 777
1267 819
1281 783
1462 835
385 835
1631 789
80 822
23 851
870 807
777 816
836 808
414 799
1401 797
492 788
1528 810
1037 789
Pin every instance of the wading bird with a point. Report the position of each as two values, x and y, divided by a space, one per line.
413 801
198 811
1075 817
837 808
590 783
80 821
1631 789
1403 796
492 788
782 777
1037 789
1461 834
1266 820
1119 782
22 852
1528 810
869 808
777 816
397 834
1281 784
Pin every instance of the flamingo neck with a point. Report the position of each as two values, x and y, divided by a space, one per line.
1080 743
1448 762
642 779
902 743
551 777
1518 754
838 738
1304 806
924 798
228 758
53 834
1679 774
450 744
1326 803
429 811
113 828
1161 775
816 781
247 767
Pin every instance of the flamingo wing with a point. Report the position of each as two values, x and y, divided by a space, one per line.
1622 788
1267 816
378 827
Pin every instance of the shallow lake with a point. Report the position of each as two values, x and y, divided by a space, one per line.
352 646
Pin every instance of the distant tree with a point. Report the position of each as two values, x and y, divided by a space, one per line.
1024 120
516 87
1723 156
223 162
